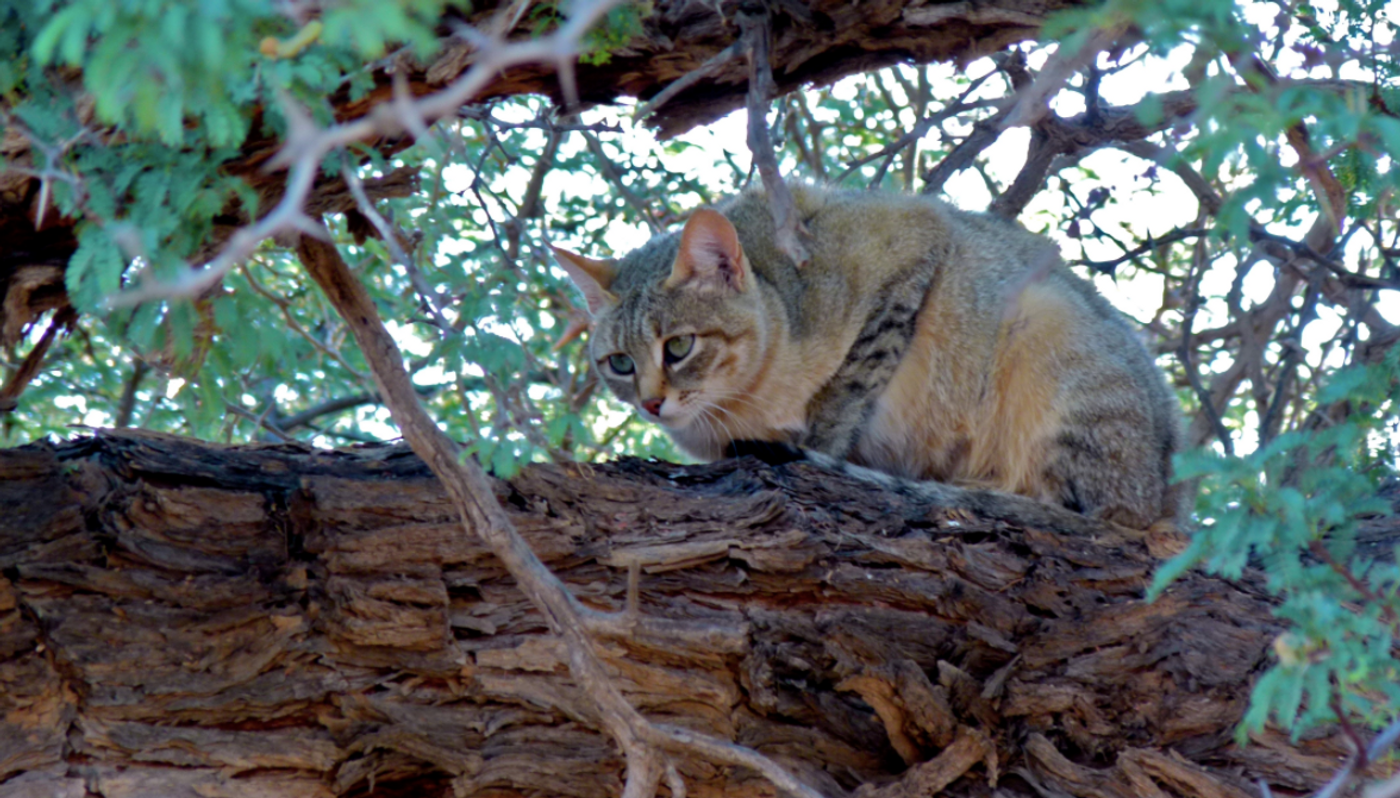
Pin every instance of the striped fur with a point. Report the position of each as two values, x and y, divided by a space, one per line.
922 341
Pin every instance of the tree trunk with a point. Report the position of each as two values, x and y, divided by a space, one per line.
184 619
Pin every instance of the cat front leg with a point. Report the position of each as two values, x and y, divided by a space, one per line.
774 453
840 411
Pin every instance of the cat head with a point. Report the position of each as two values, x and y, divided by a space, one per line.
678 325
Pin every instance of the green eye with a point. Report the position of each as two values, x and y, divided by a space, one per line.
677 348
621 364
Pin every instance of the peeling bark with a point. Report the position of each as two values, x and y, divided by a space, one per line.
179 618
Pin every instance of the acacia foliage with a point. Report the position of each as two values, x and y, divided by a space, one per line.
1222 169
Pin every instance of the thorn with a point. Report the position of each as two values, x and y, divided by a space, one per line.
301 129
576 328
307 226
568 82
44 187
403 105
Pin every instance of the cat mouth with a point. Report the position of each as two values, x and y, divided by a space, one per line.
671 416
666 418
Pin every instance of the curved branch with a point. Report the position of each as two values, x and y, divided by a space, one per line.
474 498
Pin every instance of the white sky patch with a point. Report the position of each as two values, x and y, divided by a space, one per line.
408 340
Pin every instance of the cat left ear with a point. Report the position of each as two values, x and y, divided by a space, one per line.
710 254
593 277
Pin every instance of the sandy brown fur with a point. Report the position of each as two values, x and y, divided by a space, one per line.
922 341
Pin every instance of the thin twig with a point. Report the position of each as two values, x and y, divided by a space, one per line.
295 326
689 79
390 236
259 421
789 231
614 176
29 368
920 129
1031 104
1184 351
1152 243
126 405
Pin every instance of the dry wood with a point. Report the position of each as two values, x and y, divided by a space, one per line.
178 618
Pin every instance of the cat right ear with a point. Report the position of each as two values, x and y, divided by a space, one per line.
710 255
593 277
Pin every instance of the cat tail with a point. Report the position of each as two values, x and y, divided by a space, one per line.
990 504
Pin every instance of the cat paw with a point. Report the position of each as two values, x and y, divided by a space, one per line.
774 453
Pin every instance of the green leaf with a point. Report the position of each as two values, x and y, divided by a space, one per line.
95 270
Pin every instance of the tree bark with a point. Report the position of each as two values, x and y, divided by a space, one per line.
179 618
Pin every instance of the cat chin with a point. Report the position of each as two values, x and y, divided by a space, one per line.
697 441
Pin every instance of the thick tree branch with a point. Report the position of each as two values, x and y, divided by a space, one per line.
311 623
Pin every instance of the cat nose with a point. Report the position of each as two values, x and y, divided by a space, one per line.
653 405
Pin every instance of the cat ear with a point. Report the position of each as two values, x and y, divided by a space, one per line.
710 254
593 277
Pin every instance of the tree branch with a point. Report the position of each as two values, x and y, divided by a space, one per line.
126 406
62 319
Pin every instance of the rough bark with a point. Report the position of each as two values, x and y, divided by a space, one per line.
179 618
814 41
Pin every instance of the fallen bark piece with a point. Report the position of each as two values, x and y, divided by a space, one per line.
190 619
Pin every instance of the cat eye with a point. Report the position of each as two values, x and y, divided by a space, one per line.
678 347
621 364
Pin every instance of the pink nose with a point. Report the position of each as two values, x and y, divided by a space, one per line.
653 406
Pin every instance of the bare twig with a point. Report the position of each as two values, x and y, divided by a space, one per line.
390 235
689 79
789 225
295 326
29 368
259 421
614 176
1185 353
126 406
920 129
984 134
1031 104
307 417
1292 344
1039 157
1152 243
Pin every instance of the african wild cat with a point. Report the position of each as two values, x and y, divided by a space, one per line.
921 340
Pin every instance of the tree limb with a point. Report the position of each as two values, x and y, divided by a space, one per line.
63 319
